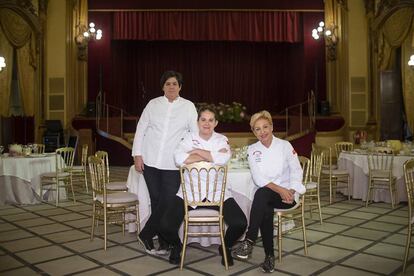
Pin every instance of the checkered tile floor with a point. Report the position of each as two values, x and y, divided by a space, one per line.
353 240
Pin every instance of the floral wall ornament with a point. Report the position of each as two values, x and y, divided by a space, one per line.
234 112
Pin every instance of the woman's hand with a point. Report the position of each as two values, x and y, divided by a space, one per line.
139 163
286 195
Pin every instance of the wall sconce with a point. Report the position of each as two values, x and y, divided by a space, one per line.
330 38
2 63
410 62
84 36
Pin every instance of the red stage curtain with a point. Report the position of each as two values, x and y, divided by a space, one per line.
260 26
259 75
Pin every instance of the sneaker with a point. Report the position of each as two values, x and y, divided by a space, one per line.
230 261
175 254
163 247
148 245
268 266
244 249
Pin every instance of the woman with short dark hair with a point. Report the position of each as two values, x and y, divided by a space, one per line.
162 125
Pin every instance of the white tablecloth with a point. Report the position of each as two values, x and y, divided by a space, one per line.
239 182
20 179
357 166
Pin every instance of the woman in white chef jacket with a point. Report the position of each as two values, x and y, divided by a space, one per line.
204 145
277 175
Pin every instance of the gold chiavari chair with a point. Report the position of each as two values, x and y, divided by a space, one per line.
409 184
295 213
214 178
39 148
79 172
62 173
332 176
380 175
312 197
111 207
112 185
343 146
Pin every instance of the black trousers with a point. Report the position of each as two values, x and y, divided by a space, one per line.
162 184
173 217
261 216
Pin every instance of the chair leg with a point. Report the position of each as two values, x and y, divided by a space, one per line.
86 181
57 192
304 231
279 236
407 245
105 232
184 244
349 190
391 193
223 244
123 223
330 190
138 219
71 186
368 193
319 206
93 220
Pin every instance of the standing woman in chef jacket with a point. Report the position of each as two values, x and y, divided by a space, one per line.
277 177
163 123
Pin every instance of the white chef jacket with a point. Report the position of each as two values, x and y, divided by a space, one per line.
160 128
278 164
214 144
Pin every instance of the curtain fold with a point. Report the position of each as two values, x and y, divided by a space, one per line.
408 78
393 34
6 51
26 77
16 30
261 26
19 35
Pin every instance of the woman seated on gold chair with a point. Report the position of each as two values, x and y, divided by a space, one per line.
209 146
277 176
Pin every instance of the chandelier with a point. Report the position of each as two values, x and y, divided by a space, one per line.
410 62
87 34
84 36
2 63
330 38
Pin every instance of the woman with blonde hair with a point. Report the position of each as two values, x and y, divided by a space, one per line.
277 176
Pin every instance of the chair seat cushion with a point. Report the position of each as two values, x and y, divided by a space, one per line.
117 198
78 168
200 212
336 172
380 174
326 167
53 174
117 186
290 209
311 185
203 215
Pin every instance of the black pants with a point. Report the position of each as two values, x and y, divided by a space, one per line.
162 184
173 217
261 216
